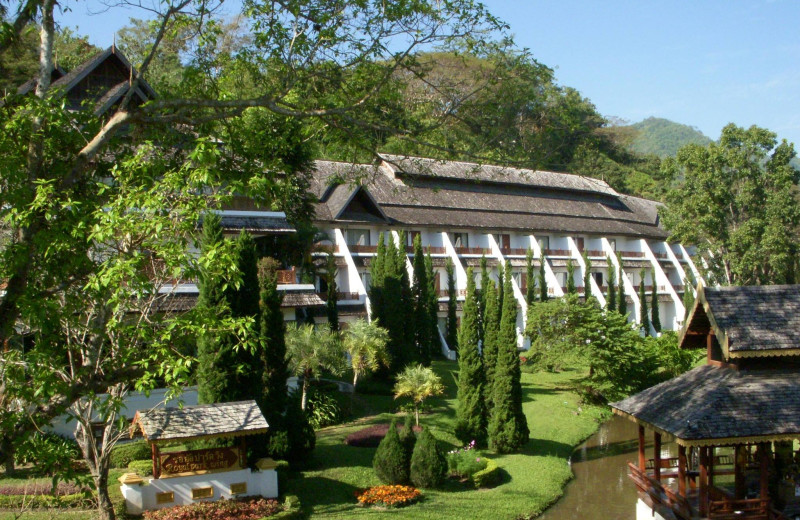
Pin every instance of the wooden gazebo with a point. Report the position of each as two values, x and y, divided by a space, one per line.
745 399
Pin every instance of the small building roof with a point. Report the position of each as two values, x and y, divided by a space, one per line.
262 222
717 406
754 321
300 295
203 421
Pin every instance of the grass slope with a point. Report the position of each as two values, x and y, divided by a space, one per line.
535 478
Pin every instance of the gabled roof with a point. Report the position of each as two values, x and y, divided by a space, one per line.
717 405
754 321
203 421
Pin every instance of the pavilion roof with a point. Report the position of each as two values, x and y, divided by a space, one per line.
201 422
720 406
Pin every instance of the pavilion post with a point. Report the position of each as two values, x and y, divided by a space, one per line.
711 471
657 456
704 481
156 465
763 466
642 461
682 470
242 452
739 465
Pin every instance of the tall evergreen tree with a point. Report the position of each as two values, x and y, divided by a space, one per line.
273 364
542 278
243 302
587 277
611 298
407 324
622 301
377 274
655 319
571 277
508 427
482 292
490 338
644 317
215 379
433 306
420 289
530 290
452 303
332 304
500 287
471 408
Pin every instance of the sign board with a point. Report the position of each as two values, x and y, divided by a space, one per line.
198 461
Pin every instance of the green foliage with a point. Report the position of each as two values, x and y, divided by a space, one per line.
587 277
571 277
655 319
143 467
391 462
611 295
644 316
551 348
471 416
323 409
421 301
124 454
74 501
490 476
365 342
452 303
407 436
490 339
738 204
273 365
622 300
50 453
331 304
663 137
310 351
418 383
296 442
543 296
428 465
464 462
508 427
433 306
530 290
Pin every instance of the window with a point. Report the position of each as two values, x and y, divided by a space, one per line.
460 240
358 237
503 240
562 279
410 236
366 279
579 243
613 243
544 243
598 278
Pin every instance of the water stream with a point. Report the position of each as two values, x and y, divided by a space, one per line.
601 489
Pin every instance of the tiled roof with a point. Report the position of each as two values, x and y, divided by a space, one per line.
207 420
256 223
721 403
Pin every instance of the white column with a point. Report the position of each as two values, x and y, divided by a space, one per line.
630 290
495 248
661 276
409 267
461 275
695 272
353 279
593 289
684 279
552 281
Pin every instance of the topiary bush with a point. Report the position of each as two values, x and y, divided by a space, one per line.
490 476
141 467
407 437
391 462
428 465
124 454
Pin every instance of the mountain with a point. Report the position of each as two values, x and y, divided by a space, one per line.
663 137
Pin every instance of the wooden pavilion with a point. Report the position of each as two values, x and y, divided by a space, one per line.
737 415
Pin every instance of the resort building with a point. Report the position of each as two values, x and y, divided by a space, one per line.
736 419
464 211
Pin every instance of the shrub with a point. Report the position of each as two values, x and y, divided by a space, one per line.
142 467
49 452
407 437
390 461
323 408
124 454
239 509
75 501
40 488
428 466
388 496
282 470
464 462
490 476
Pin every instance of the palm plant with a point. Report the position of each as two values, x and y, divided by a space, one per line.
418 383
366 344
310 350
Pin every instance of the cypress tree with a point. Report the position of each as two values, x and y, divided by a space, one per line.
471 407
452 303
508 427
500 287
611 299
391 463
587 277
244 303
655 319
420 289
407 436
215 381
530 291
622 301
490 336
407 324
570 277
644 317
377 274
272 364
542 278
433 306
331 306
428 464
482 292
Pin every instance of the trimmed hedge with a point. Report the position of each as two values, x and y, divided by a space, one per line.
143 467
124 454
75 501
488 477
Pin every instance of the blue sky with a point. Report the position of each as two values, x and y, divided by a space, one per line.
702 63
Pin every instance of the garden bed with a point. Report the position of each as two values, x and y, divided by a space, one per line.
371 436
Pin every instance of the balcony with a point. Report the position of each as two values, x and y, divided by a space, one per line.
340 296
460 293
362 249
473 250
514 251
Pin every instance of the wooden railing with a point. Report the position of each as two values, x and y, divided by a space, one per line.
435 250
593 253
731 509
444 293
513 251
473 251
557 252
286 276
660 494
631 254
340 296
362 249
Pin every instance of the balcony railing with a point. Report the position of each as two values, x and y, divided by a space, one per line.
557 252
444 293
340 296
514 251
631 254
362 249
473 251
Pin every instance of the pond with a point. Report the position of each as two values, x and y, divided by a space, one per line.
601 489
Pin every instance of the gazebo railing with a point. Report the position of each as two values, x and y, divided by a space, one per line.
732 509
660 494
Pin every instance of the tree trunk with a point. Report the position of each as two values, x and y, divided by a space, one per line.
105 508
355 380
416 413
304 398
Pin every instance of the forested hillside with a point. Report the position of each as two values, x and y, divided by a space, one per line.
663 137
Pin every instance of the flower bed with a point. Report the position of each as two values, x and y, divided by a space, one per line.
236 509
371 436
465 462
388 496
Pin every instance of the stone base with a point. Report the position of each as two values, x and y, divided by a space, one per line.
150 493
645 512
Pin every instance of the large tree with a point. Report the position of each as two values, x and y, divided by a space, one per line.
452 304
738 203
490 337
421 301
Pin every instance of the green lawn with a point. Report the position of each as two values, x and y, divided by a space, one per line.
535 478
